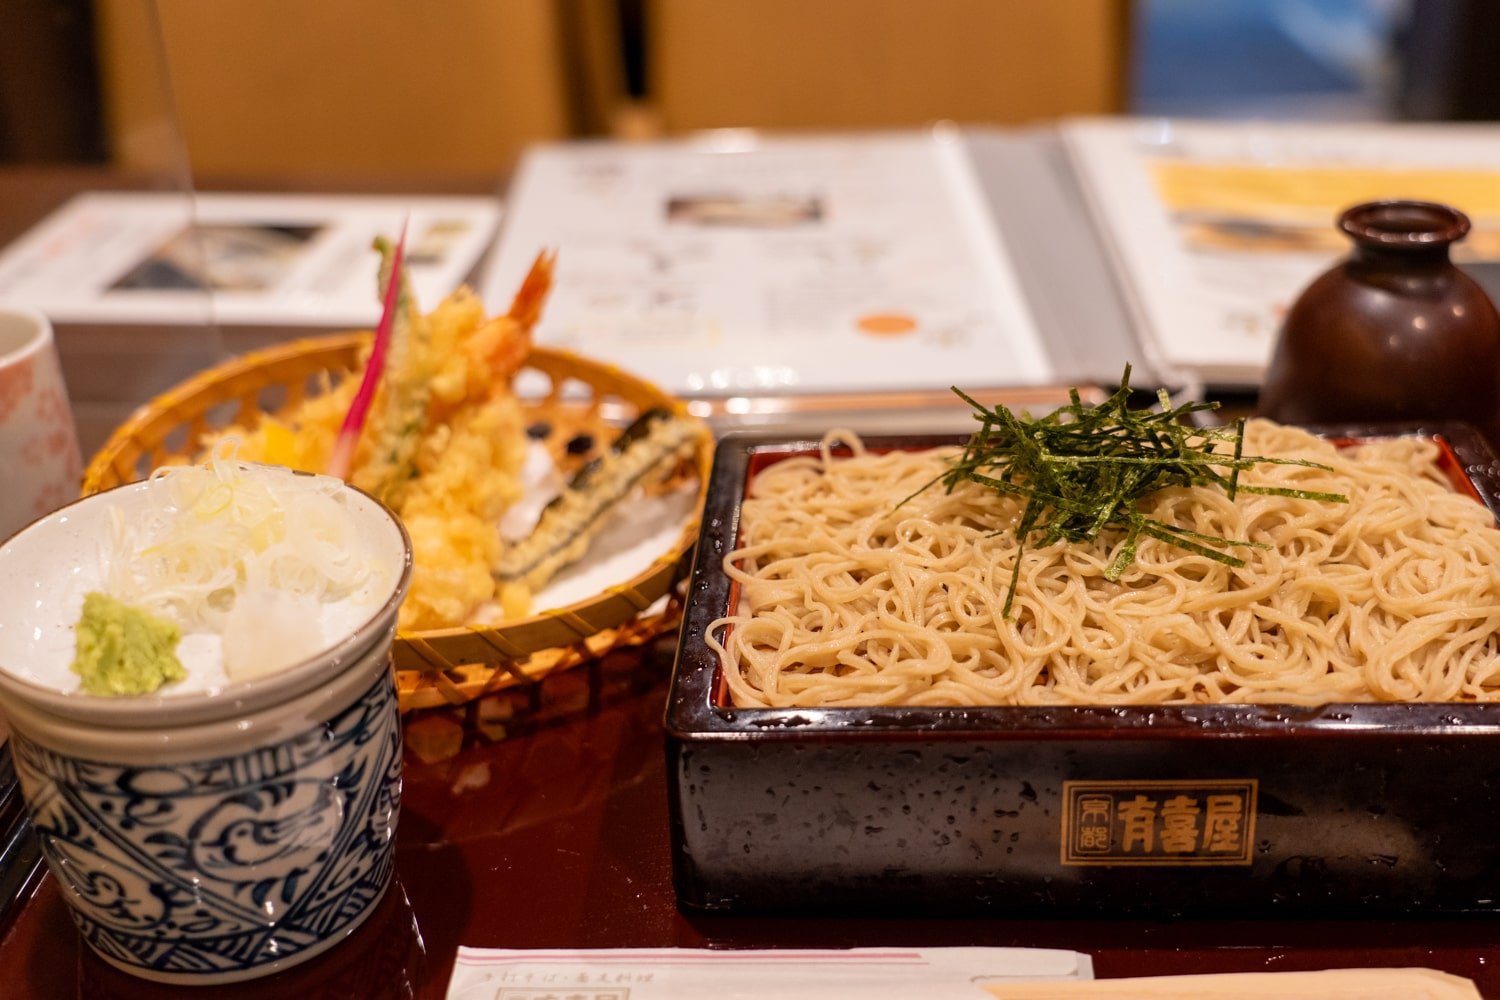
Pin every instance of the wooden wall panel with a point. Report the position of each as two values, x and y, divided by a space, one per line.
339 87
878 63
384 88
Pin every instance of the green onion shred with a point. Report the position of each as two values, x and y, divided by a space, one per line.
1082 469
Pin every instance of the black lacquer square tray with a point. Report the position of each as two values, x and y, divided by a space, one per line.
1226 809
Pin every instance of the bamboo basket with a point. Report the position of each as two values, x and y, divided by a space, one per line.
587 401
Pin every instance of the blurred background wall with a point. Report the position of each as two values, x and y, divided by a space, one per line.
371 87
387 87
405 88
879 63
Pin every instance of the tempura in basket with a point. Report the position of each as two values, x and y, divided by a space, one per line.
443 444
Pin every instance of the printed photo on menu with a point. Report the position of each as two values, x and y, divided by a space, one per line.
750 212
240 258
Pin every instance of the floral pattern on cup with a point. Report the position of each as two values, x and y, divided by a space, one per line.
15 385
220 867
38 440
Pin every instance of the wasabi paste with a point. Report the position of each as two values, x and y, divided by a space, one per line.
124 650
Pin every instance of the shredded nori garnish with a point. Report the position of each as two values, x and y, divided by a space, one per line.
1083 468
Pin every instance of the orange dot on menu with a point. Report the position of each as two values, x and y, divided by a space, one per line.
886 324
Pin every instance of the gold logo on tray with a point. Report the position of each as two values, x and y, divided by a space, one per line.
1158 822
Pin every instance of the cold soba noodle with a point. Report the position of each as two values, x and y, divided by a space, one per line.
847 599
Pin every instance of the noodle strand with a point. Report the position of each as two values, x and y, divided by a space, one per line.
850 597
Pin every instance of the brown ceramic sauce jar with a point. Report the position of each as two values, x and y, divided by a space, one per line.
1394 332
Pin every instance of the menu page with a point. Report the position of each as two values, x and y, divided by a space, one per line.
741 265
789 974
1215 228
290 260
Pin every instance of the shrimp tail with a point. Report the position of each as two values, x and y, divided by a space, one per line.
526 308
501 347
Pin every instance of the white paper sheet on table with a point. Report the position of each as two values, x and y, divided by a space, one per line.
690 974
283 260
735 264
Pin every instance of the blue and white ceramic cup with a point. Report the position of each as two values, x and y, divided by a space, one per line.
219 835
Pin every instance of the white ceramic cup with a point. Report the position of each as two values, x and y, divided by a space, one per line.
38 441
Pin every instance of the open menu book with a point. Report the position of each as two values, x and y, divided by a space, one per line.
735 264
1215 228
745 265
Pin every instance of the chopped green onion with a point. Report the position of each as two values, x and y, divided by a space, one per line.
1082 469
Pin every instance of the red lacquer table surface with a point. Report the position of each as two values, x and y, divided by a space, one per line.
542 823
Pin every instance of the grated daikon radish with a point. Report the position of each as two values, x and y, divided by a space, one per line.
247 552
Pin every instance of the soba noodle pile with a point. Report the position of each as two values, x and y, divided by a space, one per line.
848 599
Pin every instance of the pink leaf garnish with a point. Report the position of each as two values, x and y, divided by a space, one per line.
342 457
